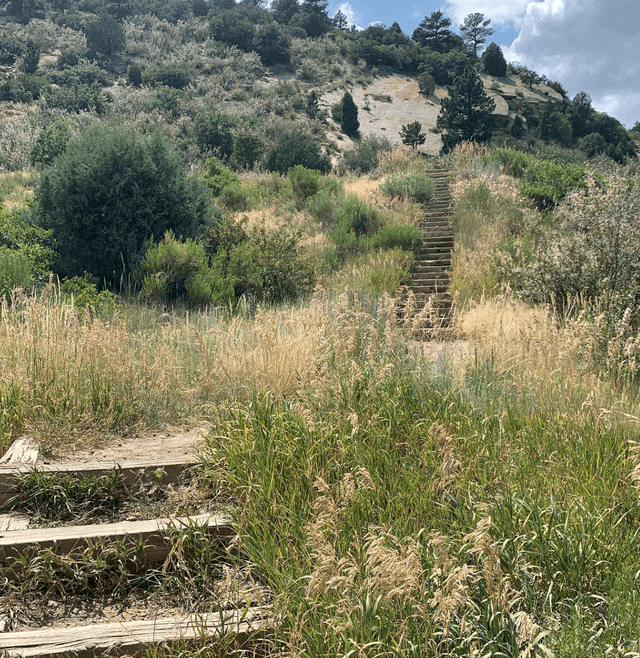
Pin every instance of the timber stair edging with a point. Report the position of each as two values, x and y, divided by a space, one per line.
424 306
239 628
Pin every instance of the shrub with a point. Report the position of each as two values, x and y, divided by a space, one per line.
110 192
214 132
426 83
364 156
82 292
81 74
167 100
336 112
20 236
134 75
15 270
493 61
413 186
174 78
78 98
412 135
296 149
50 143
304 183
397 236
218 177
234 197
247 149
105 36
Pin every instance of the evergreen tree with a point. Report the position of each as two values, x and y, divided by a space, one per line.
555 126
581 112
475 31
412 135
466 114
285 10
105 36
349 120
271 44
494 61
433 32
340 20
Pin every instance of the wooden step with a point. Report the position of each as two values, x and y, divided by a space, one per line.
73 539
134 474
134 637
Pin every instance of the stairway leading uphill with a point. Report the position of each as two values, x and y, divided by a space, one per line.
425 305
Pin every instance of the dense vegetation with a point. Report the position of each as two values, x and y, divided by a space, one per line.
182 243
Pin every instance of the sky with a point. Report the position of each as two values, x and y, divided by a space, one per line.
586 45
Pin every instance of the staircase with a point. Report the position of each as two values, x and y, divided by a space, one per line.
424 306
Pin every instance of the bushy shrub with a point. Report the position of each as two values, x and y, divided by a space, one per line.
247 149
174 78
214 132
355 222
134 75
365 155
304 184
51 143
426 83
399 236
167 100
24 88
218 177
493 61
234 197
81 74
110 192
175 270
414 186
15 270
82 292
296 149
78 98
19 235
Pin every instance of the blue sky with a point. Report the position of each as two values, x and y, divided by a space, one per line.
586 45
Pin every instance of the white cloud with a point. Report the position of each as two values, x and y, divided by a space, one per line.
587 45
499 11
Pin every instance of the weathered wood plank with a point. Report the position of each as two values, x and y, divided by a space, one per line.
134 474
24 450
12 523
72 539
133 637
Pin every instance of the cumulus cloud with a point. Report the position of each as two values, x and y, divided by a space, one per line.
587 45
500 12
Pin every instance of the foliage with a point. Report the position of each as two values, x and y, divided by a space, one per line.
270 42
248 149
31 58
412 135
23 88
134 74
466 113
77 98
426 83
214 132
218 177
51 143
105 36
475 31
397 236
493 61
284 10
365 154
304 183
355 222
15 270
25 241
414 186
174 78
555 125
296 148
110 192
444 67
82 292
79 74
434 33
349 123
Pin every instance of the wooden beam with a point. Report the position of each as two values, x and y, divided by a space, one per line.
11 523
73 539
134 474
134 637
24 450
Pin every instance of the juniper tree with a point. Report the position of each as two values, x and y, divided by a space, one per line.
475 31
467 114
349 121
494 61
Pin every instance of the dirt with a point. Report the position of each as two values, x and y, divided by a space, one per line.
176 444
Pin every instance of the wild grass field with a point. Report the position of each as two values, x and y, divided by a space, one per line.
396 505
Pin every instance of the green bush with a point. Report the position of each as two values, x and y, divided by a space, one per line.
304 183
176 270
167 100
19 235
296 149
218 177
134 74
214 132
365 155
81 74
355 221
15 270
50 143
399 236
78 98
414 186
247 149
174 78
82 292
110 192
234 197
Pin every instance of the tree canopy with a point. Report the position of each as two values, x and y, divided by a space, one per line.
475 31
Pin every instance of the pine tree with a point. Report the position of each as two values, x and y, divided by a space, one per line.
349 122
475 31
284 10
466 114
412 135
433 32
